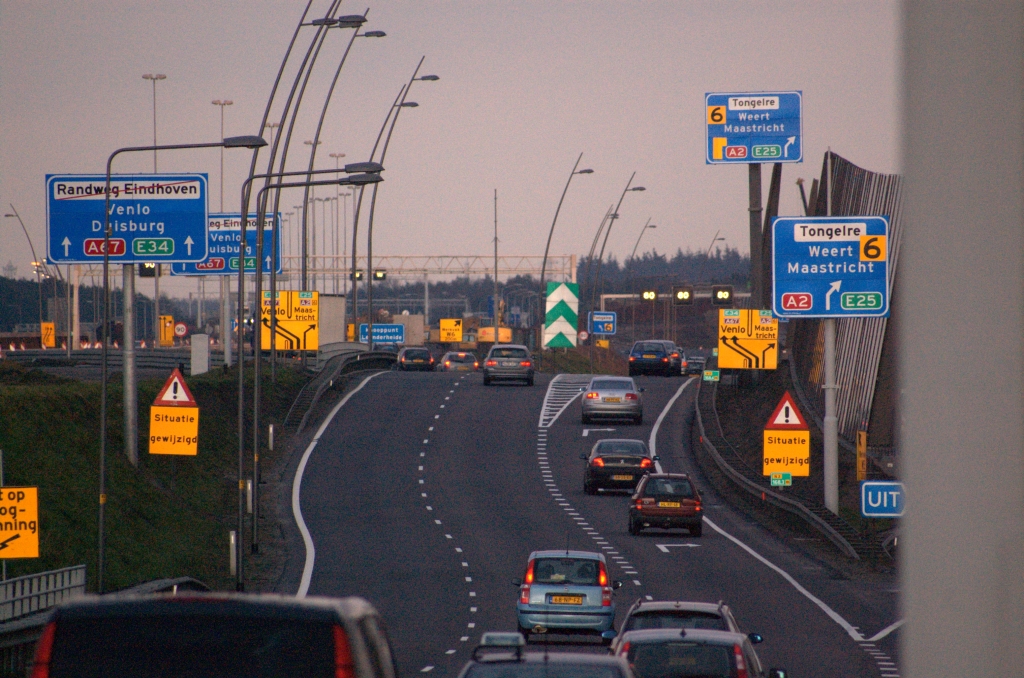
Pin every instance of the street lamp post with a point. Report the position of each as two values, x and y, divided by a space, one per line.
631 285
700 271
225 281
128 356
642 231
154 78
551 231
156 278
222 104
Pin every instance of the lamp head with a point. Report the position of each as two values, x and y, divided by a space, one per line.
351 21
585 171
326 21
363 167
247 141
408 104
361 180
374 34
429 78
638 188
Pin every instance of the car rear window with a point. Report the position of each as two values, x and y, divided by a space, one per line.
669 487
680 658
649 347
142 646
607 447
509 353
611 385
462 358
417 353
676 619
554 669
581 571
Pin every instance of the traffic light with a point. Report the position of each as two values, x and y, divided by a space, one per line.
380 275
650 295
721 295
682 295
358 275
147 270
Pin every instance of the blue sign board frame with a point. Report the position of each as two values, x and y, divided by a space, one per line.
223 234
603 322
882 499
383 334
830 267
754 127
157 218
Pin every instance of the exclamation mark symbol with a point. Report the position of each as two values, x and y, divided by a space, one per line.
785 410
174 392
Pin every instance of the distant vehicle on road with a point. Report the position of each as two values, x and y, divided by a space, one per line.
666 500
654 357
616 465
695 364
508 362
214 635
503 655
566 591
458 361
613 398
387 348
678 614
414 358
703 653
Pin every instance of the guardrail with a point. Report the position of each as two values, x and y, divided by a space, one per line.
145 358
787 504
32 593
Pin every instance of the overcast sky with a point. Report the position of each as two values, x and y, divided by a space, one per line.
525 87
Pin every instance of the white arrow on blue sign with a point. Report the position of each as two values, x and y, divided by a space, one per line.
153 218
881 499
603 322
223 236
830 267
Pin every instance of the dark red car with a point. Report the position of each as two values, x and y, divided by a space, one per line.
666 500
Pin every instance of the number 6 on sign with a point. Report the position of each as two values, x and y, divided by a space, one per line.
716 115
873 248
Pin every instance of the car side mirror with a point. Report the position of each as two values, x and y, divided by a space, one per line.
582 389
776 673
583 456
517 583
755 638
641 390
616 585
656 457
609 634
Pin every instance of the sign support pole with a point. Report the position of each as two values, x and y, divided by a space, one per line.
754 181
225 319
128 377
831 423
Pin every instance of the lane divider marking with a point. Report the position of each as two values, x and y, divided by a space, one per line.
652 442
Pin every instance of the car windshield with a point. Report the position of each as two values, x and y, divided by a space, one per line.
675 487
611 385
677 659
606 447
509 353
145 646
648 347
418 353
582 571
553 669
675 619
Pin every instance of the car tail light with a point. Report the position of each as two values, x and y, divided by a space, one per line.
403 358
632 396
602 574
431 360
526 363
624 649
664 360
697 506
741 665
529 574
593 395
447 363
41 664
492 363
598 461
475 365
675 355
343 666
639 504
645 463
606 590
632 358
524 590
685 363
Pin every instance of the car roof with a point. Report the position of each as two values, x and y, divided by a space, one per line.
510 346
704 636
682 605
612 378
618 440
564 553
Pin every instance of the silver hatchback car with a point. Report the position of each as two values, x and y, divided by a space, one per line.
566 591
511 362
613 398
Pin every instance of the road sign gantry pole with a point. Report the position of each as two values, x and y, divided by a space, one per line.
128 371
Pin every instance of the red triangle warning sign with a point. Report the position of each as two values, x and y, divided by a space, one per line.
175 392
787 415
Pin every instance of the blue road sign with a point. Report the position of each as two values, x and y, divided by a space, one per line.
383 334
881 499
224 232
154 218
756 127
603 322
830 267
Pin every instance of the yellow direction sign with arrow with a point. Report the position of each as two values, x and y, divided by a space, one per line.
451 330
748 339
298 321
19 522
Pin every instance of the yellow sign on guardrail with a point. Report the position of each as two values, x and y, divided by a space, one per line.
19 522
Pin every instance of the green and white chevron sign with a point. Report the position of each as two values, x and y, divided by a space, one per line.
562 316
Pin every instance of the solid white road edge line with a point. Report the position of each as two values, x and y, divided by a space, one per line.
853 633
307 568
886 631
653 441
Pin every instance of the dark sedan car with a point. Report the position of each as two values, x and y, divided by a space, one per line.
666 500
616 465
654 357
410 359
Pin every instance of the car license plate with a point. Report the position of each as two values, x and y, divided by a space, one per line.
669 504
650 355
417 360
567 600
613 400
622 477
508 363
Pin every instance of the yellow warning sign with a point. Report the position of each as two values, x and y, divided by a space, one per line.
298 321
174 430
451 330
787 452
19 522
47 335
748 339
167 330
486 335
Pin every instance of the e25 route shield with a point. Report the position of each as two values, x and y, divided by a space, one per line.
830 267
153 218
